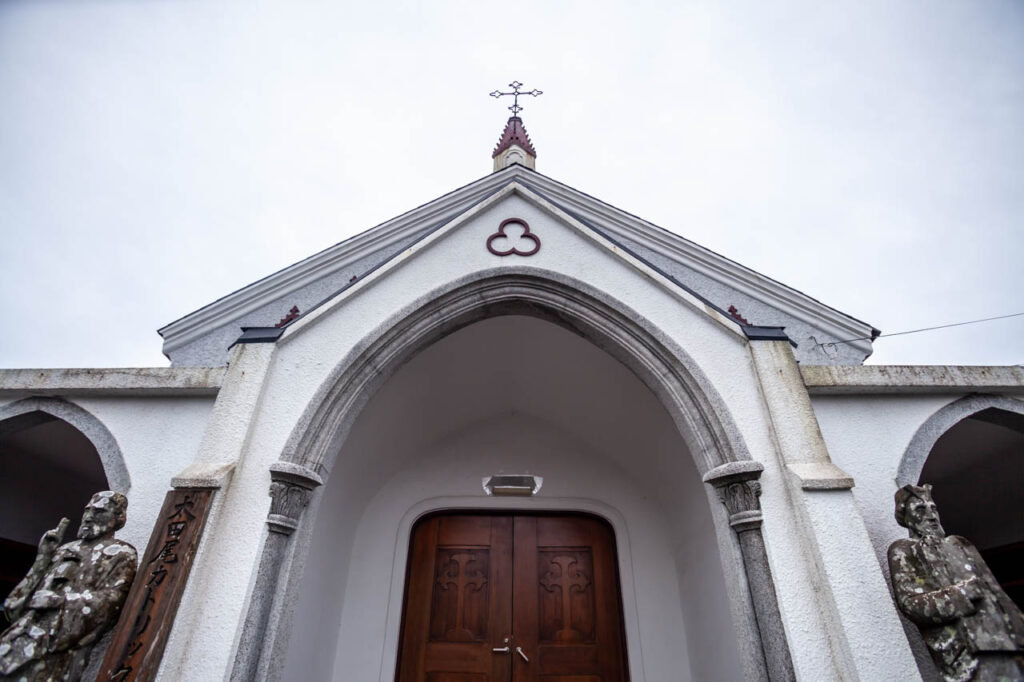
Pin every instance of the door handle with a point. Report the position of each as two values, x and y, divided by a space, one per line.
519 650
502 650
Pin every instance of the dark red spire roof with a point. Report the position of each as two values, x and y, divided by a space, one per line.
515 133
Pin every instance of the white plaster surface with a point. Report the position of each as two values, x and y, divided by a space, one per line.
210 608
314 346
870 624
157 435
597 435
867 435
852 591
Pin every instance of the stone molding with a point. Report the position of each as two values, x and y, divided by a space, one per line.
794 423
119 381
882 379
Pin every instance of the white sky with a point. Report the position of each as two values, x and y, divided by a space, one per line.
156 155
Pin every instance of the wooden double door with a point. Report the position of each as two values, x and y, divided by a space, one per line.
512 598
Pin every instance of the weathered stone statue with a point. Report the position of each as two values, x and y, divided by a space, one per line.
971 627
70 597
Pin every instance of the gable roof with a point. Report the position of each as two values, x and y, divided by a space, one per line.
517 188
669 253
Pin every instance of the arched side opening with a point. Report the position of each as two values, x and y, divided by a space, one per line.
972 453
49 468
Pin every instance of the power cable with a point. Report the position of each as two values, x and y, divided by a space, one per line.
924 329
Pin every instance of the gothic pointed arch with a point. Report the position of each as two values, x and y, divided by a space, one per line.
699 415
664 367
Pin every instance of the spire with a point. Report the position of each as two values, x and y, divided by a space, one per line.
514 146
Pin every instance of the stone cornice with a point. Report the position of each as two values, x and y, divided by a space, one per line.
865 379
118 380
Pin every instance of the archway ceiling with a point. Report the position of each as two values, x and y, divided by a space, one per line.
518 365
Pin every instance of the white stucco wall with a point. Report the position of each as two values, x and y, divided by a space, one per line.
449 476
310 349
867 436
157 436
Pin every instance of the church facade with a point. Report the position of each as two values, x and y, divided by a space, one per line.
517 433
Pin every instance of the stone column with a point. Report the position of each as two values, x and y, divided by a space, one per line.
739 490
291 488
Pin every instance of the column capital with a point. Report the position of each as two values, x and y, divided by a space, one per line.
290 489
739 489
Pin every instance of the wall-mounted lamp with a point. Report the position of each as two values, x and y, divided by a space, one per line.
523 486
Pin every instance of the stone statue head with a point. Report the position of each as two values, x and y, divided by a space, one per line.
916 511
105 513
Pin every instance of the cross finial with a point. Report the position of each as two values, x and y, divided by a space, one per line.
515 85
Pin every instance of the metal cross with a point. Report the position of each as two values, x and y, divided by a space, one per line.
515 85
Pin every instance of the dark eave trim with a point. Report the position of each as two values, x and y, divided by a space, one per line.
259 335
756 333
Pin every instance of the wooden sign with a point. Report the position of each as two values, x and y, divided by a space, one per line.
142 630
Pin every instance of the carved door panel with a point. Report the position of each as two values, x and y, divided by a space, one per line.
547 583
566 609
457 606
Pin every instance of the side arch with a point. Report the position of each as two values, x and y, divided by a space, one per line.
921 445
91 427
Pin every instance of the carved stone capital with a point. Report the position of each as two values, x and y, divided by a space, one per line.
739 490
741 499
290 489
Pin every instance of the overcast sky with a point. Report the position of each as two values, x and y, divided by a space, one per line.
156 155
